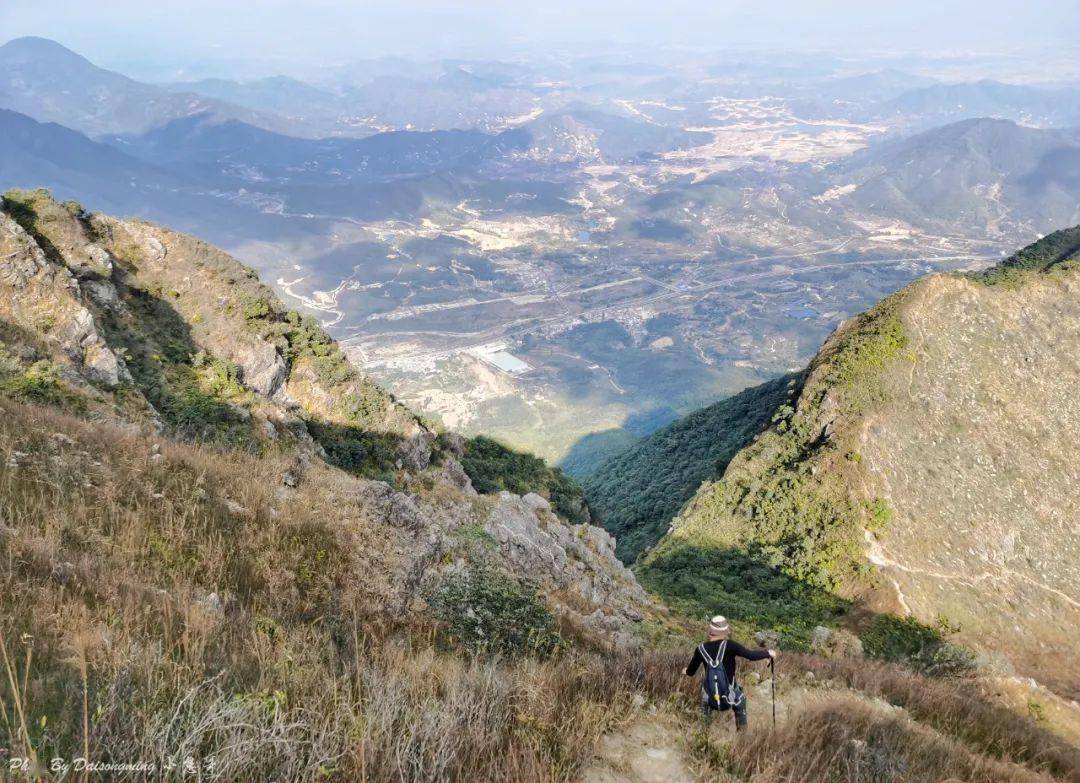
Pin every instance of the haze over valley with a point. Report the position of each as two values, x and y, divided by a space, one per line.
568 250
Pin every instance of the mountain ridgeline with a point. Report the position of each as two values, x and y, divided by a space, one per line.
924 468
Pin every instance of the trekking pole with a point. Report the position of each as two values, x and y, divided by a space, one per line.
772 683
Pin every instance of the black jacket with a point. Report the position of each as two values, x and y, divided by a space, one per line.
733 650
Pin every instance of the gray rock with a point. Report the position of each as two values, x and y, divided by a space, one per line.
104 366
102 293
536 502
769 639
394 508
820 637
837 643
575 564
456 475
263 370
455 444
415 451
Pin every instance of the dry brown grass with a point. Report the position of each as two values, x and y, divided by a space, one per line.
845 740
956 708
307 671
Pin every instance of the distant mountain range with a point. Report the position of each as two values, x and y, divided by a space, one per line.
876 86
36 154
278 95
979 172
941 103
584 134
51 83
235 151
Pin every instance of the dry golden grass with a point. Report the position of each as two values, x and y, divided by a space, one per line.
845 740
958 709
302 668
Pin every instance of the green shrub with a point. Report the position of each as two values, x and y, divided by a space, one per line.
637 493
255 308
702 580
947 660
893 638
493 467
491 612
356 450
879 515
40 383
1059 250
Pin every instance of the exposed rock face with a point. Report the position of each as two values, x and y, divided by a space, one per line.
575 561
264 370
45 297
837 643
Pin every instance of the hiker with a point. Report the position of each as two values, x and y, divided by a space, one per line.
719 691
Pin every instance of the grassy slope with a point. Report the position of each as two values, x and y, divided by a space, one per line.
637 493
779 536
294 668
206 614
1057 252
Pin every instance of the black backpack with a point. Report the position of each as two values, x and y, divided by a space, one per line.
720 693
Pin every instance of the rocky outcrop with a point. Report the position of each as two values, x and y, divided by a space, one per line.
263 369
576 563
44 297
211 349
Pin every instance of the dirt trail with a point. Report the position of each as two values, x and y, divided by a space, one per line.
649 750
653 747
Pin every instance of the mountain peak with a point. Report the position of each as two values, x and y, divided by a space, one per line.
35 47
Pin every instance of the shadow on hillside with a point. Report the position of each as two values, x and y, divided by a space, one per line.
702 581
636 493
591 451
23 342
356 450
202 397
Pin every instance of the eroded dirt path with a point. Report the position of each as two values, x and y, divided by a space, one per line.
654 746
649 750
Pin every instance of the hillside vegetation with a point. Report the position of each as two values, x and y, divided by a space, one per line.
207 504
924 458
637 493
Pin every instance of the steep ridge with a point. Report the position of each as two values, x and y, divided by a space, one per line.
925 469
153 333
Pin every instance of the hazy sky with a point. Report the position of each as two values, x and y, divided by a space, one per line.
170 32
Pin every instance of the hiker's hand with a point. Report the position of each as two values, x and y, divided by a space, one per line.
773 654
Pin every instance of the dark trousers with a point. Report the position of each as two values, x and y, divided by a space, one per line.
707 711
